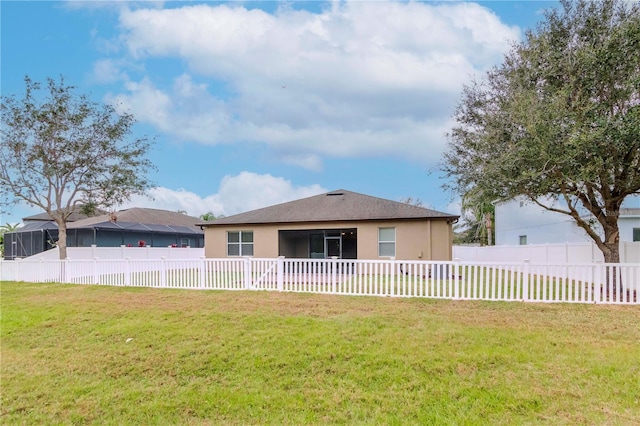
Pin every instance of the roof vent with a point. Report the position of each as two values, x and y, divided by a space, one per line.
329 194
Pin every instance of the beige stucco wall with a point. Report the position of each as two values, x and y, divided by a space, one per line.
415 239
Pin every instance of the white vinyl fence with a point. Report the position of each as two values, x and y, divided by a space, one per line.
586 252
122 252
531 282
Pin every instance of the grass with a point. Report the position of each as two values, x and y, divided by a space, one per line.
118 355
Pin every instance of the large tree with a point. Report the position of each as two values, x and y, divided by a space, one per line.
62 151
558 122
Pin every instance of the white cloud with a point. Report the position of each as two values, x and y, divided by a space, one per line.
357 79
189 112
108 71
306 161
147 102
176 200
243 192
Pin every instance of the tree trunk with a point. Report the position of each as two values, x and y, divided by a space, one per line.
489 226
62 239
611 242
611 252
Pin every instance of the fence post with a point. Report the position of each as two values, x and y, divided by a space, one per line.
63 271
334 266
525 280
456 280
203 275
163 272
392 277
546 253
622 246
16 270
280 273
96 278
127 271
247 273
598 282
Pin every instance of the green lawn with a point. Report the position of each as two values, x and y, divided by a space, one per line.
118 355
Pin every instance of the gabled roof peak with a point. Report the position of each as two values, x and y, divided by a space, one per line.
334 206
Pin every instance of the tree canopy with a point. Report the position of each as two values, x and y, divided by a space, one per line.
61 151
476 222
7 227
208 216
559 119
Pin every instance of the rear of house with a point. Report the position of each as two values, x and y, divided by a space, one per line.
340 224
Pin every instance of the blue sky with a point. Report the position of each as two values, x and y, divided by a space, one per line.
257 103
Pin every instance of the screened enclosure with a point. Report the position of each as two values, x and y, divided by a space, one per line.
36 237
33 238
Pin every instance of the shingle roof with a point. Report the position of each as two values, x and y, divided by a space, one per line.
36 225
141 216
334 206
75 216
630 212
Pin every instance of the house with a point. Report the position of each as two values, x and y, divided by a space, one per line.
339 224
134 227
518 222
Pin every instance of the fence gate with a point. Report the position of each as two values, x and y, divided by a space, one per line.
264 274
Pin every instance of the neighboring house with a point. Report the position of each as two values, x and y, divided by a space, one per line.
339 224
130 227
520 222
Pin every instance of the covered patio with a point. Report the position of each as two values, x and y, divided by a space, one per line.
318 243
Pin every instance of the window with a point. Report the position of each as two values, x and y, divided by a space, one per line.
523 240
240 243
386 242
636 234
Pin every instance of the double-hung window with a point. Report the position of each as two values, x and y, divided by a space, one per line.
240 243
386 242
